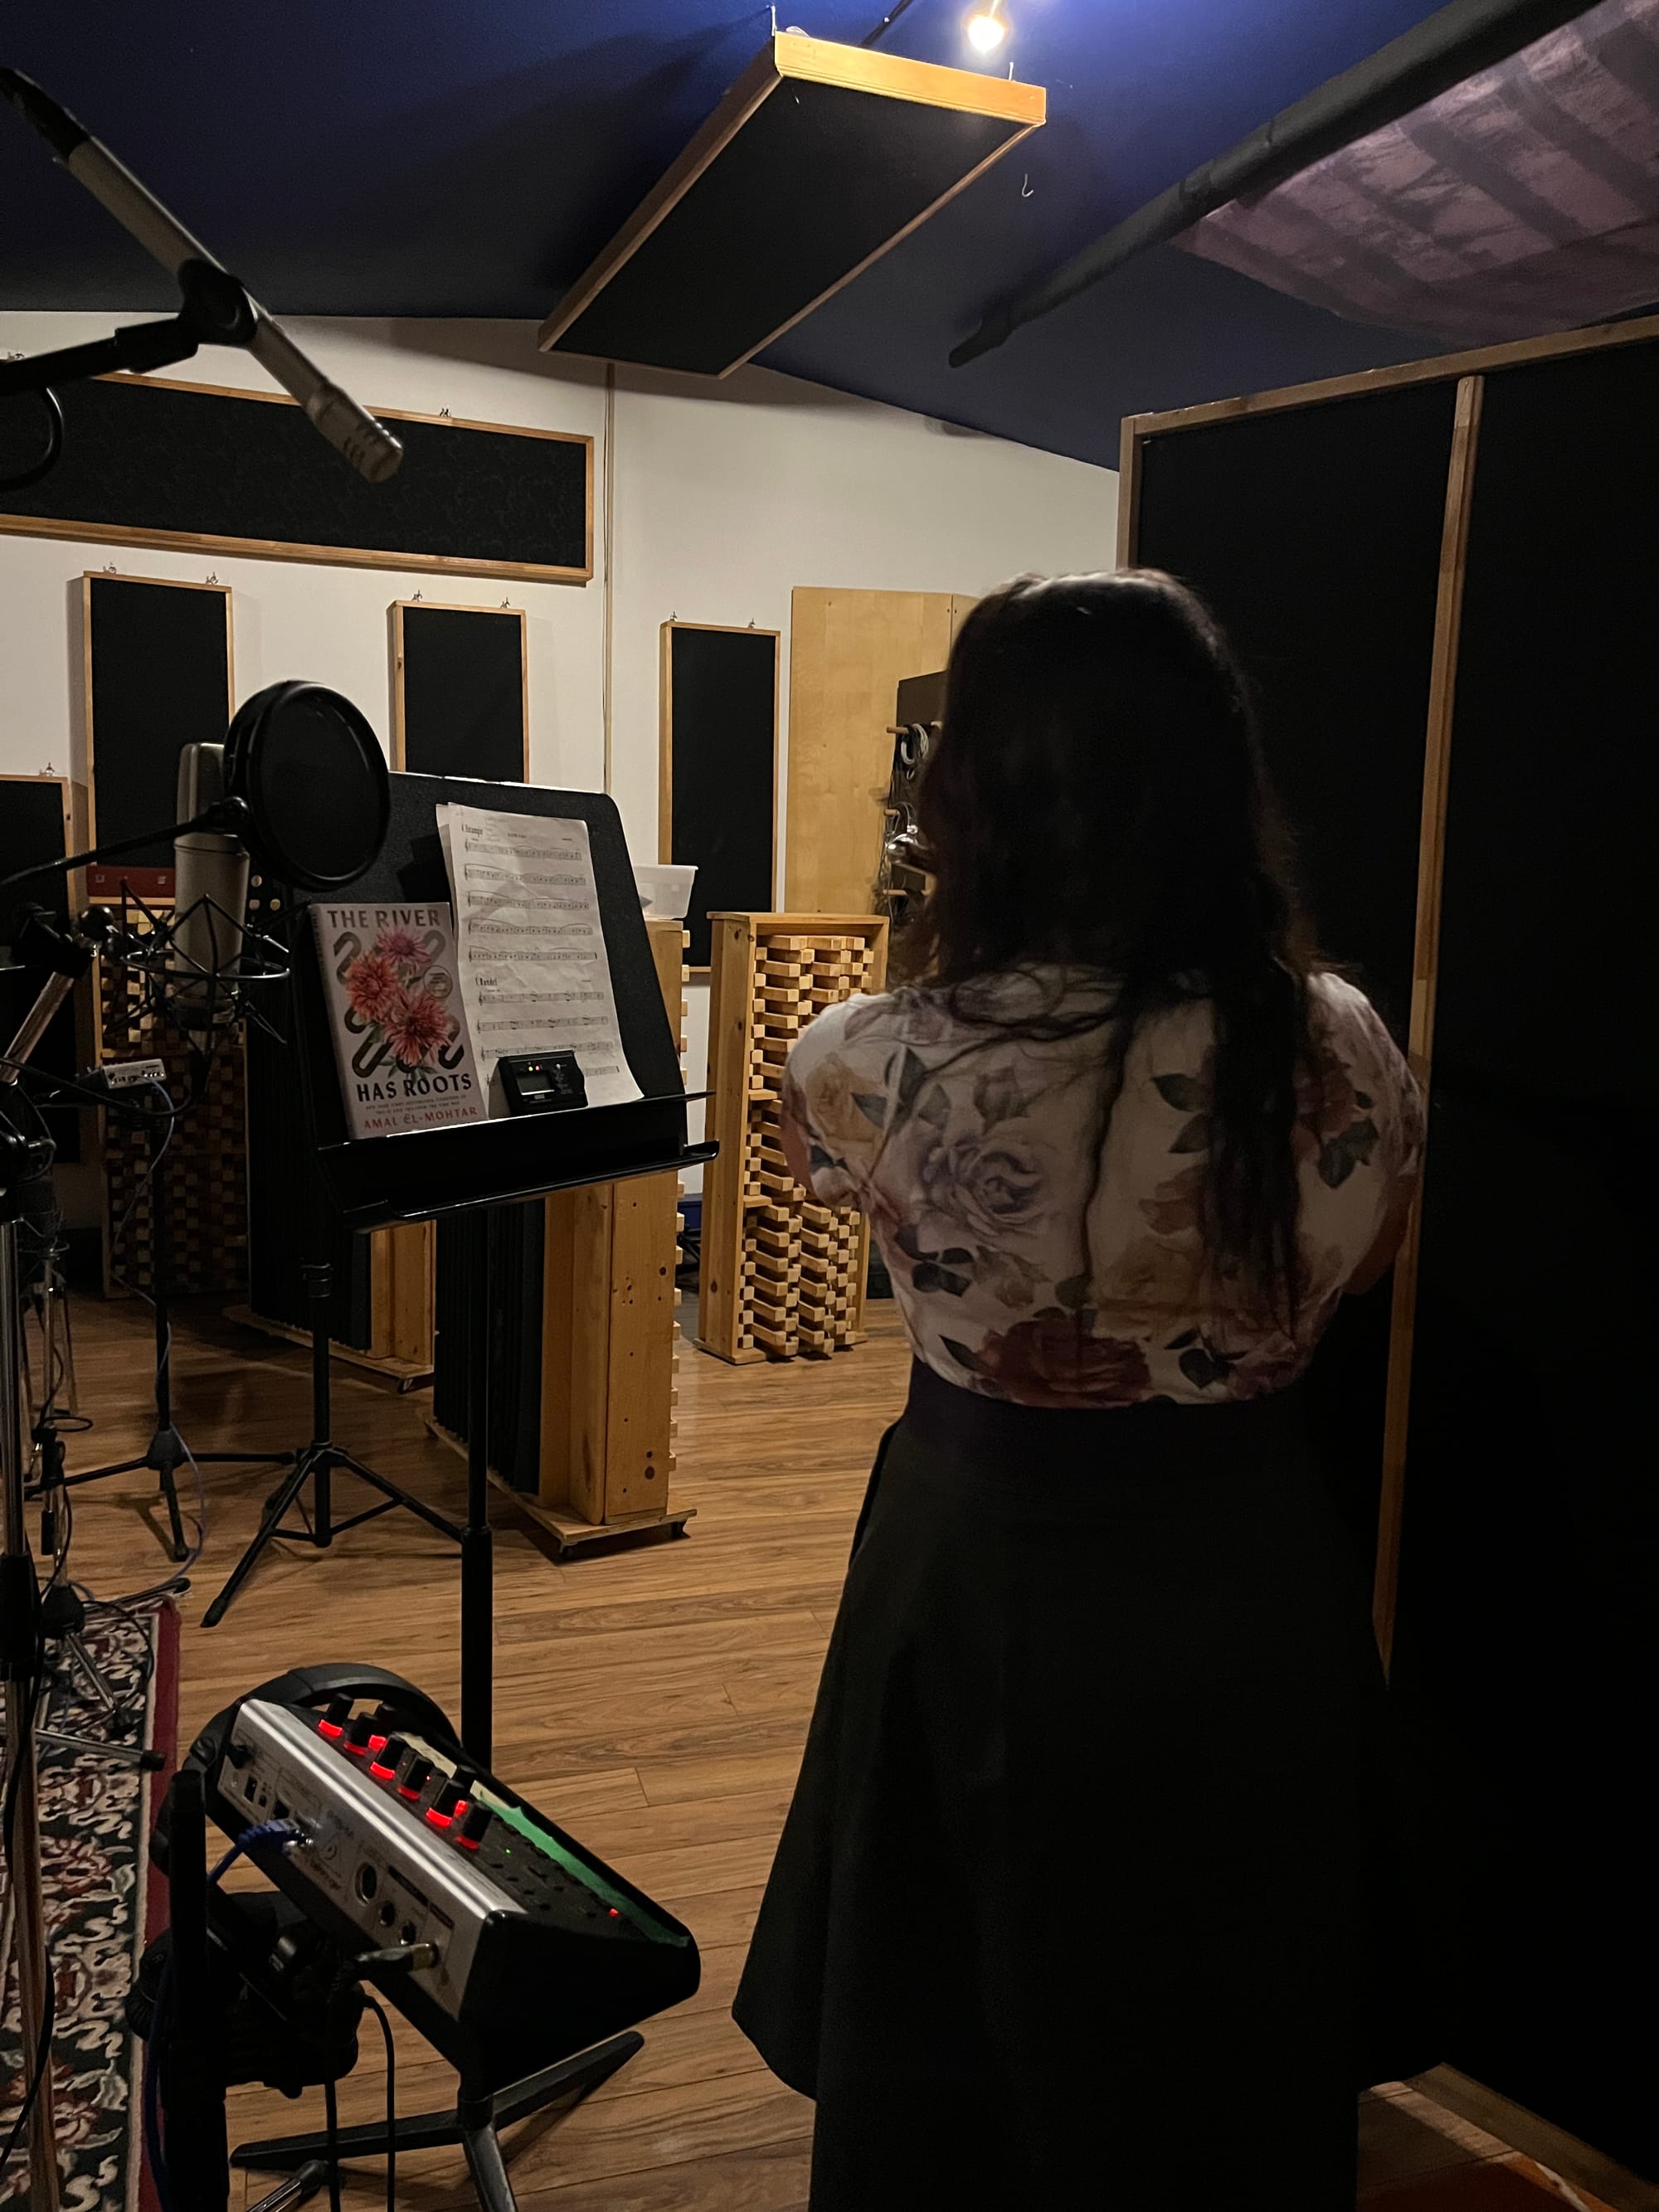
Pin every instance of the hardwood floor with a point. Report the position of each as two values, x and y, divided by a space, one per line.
654 1700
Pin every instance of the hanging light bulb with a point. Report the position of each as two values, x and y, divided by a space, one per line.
986 28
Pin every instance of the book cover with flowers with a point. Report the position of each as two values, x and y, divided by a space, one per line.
400 1038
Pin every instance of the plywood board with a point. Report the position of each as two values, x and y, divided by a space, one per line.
848 652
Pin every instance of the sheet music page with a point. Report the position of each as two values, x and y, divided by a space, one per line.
530 946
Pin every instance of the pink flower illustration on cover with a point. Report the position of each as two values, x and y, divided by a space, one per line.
399 1033
399 998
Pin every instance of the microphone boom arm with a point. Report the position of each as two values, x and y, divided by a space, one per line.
218 308
229 816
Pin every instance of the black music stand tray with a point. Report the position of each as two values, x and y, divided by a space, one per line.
375 1182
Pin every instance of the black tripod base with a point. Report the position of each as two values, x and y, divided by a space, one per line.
473 2124
168 1453
318 1464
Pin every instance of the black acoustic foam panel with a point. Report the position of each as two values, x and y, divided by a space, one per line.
491 1263
1314 535
1527 1651
31 832
461 692
818 160
150 462
159 658
820 179
722 763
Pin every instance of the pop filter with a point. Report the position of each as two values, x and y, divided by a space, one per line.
310 774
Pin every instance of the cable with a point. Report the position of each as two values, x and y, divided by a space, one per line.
380 2013
115 1102
54 446
399 1958
118 1228
263 1831
886 24
332 2121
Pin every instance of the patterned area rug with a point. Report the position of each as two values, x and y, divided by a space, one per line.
101 1908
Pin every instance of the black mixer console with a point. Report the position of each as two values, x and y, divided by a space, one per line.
539 1949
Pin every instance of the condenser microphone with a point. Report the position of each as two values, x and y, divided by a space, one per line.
368 445
210 876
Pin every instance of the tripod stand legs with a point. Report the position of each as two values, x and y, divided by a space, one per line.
318 1464
275 1506
168 1451
488 2167
474 2124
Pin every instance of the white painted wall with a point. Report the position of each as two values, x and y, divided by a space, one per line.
725 496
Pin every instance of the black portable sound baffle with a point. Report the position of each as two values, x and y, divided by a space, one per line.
374 1182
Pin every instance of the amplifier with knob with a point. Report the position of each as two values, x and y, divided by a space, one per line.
539 1948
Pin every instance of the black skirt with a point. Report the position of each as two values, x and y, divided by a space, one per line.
1093 1889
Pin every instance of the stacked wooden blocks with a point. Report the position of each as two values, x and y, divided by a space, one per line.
781 1275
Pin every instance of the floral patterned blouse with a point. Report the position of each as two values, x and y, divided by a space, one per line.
1020 1276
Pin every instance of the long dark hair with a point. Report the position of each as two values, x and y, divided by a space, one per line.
1097 800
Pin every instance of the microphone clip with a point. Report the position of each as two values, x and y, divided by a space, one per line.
38 941
217 309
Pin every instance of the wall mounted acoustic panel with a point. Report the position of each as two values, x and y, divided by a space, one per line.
1527 1651
158 677
37 822
151 462
1314 534
718 794
460 702
818 160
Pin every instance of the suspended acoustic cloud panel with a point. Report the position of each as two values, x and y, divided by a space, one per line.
818 160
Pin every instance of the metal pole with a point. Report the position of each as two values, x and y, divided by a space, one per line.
28 1902
478 1564
1411 69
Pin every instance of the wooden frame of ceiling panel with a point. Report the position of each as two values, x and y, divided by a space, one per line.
791 58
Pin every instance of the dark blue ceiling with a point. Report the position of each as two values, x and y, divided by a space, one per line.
352 157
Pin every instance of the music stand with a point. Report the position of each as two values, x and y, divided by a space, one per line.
376 1182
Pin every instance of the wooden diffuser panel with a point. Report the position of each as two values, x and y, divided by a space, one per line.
818 160
781 1274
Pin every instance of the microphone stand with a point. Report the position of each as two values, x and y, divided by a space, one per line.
69 956
167 1450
